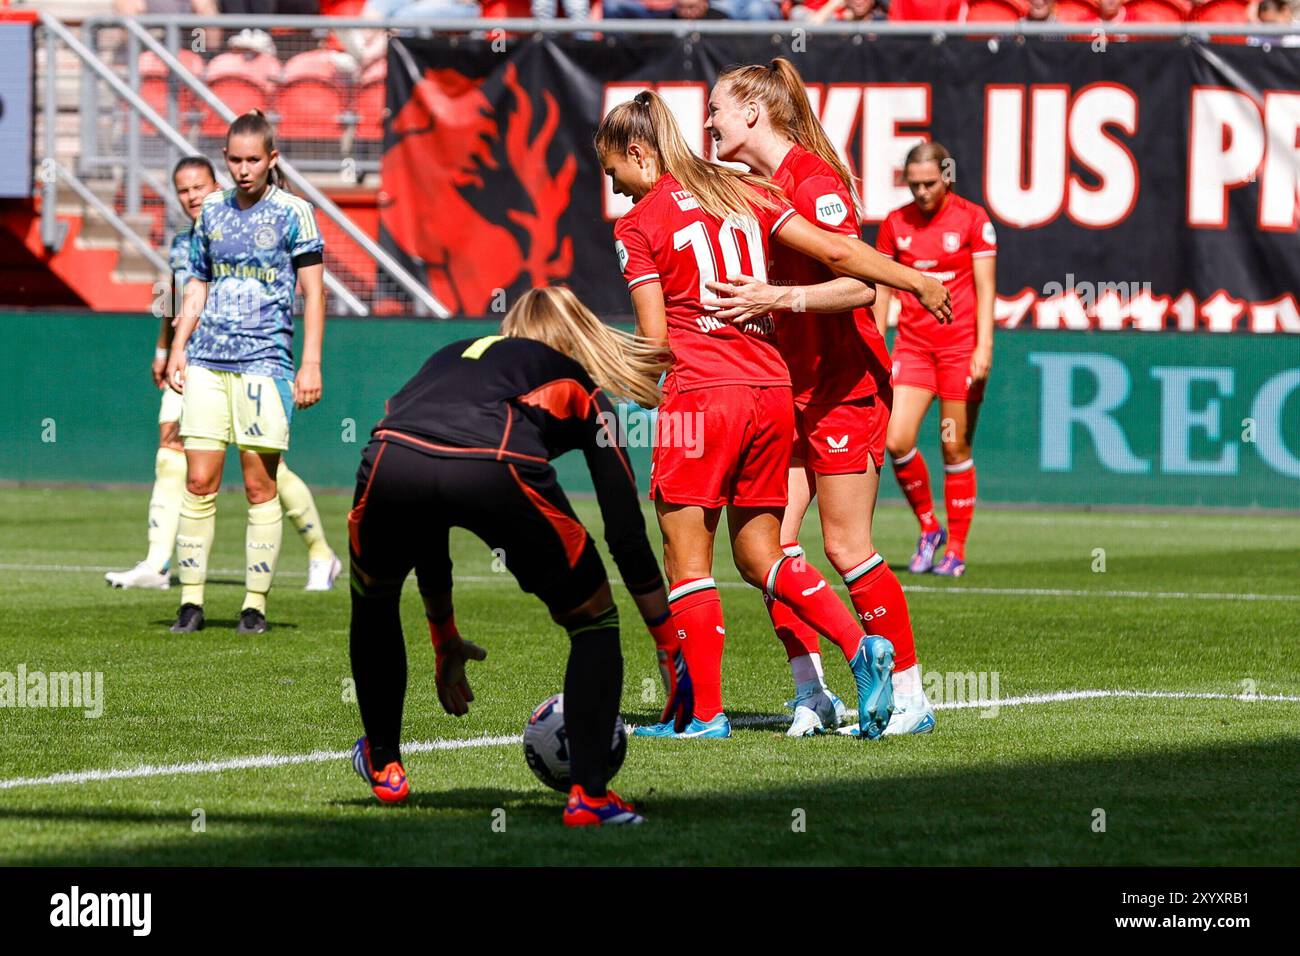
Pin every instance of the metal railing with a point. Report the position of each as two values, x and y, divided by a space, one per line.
601 30
51 235
323 203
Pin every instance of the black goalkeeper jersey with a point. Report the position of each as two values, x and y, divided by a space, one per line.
521 402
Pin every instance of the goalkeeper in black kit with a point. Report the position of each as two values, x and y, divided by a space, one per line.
467 443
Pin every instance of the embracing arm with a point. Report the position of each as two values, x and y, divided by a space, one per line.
742 298
880 310
853 257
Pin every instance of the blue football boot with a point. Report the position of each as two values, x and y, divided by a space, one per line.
873 667
715 729
929 542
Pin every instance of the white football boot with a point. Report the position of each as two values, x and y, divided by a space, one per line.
140 576
913 713
814 711
321 574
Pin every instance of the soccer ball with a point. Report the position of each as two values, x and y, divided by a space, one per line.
546 747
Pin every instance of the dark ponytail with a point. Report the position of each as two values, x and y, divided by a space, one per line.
195 162
255 123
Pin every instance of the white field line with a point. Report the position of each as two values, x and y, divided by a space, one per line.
267 761
1016 592
75 568
1079 592
243 763
909 588
1056 698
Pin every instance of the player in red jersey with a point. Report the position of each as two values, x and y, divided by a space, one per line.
692 223
950 238
839 366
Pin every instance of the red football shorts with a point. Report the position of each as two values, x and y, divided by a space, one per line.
943 372
728 445
840 439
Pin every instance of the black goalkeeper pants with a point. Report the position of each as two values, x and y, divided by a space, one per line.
404 507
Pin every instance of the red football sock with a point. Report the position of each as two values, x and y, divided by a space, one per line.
798 584
796 636
882 607
914 479
959 490
697 611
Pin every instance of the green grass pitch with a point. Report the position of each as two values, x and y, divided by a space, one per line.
1186 604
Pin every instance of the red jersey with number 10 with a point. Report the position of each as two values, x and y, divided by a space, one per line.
833 357
667 238
942 246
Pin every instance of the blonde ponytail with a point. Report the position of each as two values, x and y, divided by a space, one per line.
720 190
781 90
622 364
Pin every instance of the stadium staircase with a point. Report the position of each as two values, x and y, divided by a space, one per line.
94 262
95 266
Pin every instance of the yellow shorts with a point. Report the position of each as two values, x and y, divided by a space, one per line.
169 410
230 408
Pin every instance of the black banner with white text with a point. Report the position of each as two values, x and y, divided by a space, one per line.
1144 185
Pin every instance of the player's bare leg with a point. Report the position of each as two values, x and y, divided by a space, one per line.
262 538
909 409
957 433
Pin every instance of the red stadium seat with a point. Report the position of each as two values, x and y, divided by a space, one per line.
153 84
497 9
996 11
369 102
1222 11
1077 11
927 10
1155 11
312 94
242 81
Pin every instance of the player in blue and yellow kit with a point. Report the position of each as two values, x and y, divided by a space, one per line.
232 359
194 180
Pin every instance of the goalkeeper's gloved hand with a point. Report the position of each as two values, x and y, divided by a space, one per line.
451 653
681 698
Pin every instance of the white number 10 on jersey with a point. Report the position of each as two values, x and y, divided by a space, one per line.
697 237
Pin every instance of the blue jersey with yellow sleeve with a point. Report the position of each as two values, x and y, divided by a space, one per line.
250 259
